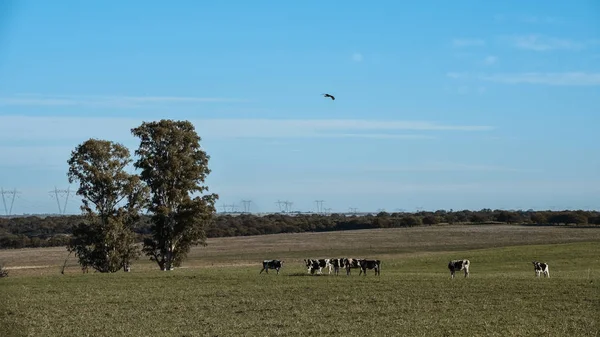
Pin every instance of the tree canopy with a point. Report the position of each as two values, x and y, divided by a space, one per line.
174 167
105 240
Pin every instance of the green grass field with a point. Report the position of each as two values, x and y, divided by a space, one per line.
219 292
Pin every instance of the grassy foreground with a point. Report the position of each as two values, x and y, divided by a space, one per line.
413 297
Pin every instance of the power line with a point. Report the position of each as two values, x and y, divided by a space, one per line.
246 205
279 203
288 206
58 194
229 208
224 208
319 205
13 194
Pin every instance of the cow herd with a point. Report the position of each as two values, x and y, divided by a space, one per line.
318 265
346 263
335 264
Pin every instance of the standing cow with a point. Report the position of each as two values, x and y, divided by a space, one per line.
370 264
319 264
271 264
458 265
540 268
349 263
337 264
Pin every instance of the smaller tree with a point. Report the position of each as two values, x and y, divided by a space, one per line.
431 220
410 221
539 217
508 217
479 217
105 241
568 218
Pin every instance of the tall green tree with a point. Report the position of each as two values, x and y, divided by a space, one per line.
112 200
174 167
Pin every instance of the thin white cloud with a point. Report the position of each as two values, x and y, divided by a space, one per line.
541 20
102 101
489 60
336 169
467 42
36 157
374 136
357 57
556 79
302 188
80 128
446 167
308 187
538 42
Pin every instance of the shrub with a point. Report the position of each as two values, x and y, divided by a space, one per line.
3 271
410 221
431 220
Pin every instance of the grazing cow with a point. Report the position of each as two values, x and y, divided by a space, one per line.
458 265
319 264
540 268
370 264
351 263
337 264
271 264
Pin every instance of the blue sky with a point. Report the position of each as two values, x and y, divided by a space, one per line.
439 105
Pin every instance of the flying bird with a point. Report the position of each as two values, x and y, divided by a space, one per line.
330 96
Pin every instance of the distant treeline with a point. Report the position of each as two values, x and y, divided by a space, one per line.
22 232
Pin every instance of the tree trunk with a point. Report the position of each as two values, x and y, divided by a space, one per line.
169 261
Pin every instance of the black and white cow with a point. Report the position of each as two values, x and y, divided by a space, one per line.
458 265
540 268
271 264
370 264
336 264
319 264
350 263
